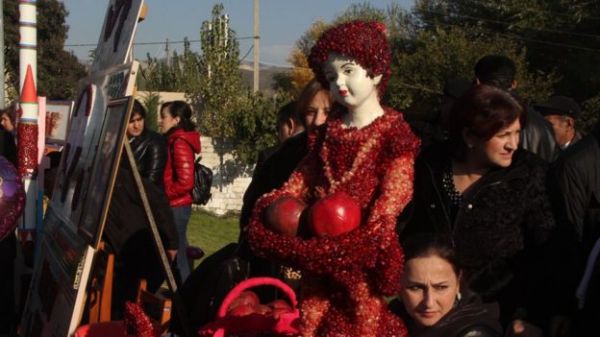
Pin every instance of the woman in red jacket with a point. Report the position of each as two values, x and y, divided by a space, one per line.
183 143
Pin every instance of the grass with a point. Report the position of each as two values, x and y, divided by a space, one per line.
211 232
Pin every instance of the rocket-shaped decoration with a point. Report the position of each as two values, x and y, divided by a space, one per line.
27 149
27 131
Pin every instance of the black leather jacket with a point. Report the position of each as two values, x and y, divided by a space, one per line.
503 223
150 152
538 137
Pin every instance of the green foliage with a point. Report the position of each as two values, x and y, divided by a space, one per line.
254 126
218 91
361 11
151 102
437 55
558 36
58 70
589 118
177 73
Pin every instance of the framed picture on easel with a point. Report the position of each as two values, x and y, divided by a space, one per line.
104 170
57 120
84 135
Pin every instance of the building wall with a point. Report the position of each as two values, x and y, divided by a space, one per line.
230 179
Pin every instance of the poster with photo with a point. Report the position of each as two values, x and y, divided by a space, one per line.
57 121
117 33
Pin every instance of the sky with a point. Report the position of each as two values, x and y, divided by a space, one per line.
282 22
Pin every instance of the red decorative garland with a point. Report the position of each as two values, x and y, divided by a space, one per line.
27 149
136 322
345 277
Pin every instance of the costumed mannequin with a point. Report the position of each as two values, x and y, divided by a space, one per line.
356 179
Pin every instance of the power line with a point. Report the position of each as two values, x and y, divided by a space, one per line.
152 42
247 53
537 10
520 37
510 23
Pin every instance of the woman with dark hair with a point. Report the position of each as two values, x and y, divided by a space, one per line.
490 197
149 147
183 143
8 119
433 301
313 105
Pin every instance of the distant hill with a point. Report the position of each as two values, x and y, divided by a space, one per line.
266 75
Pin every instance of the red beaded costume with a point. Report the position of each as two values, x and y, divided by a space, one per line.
345 277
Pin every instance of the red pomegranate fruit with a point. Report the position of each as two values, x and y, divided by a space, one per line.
263 309
242 310
334 214
283 215
245 299
280 307
280 304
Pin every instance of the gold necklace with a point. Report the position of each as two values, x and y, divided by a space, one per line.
361 156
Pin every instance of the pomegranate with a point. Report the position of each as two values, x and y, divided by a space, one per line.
283 215
334 214
246 298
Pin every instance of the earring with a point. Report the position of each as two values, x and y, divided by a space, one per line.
458 298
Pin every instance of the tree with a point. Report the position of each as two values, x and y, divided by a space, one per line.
151 102
255 126
361 11
558 36
419 74
294 81
176 73
58 70
217 92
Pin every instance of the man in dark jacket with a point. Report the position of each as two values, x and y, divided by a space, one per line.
562 113
575 177
149 147
537 136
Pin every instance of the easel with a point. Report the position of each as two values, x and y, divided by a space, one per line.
99 311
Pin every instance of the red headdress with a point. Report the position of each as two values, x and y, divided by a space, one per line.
365 42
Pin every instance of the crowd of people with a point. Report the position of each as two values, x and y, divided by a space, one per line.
511 186
483 221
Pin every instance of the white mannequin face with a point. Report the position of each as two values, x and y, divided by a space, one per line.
348 81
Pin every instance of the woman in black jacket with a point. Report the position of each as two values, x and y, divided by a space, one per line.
433 302
149 147
490 197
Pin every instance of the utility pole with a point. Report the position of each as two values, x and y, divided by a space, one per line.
168 53
256 46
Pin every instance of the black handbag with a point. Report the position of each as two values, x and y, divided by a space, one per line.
208 284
